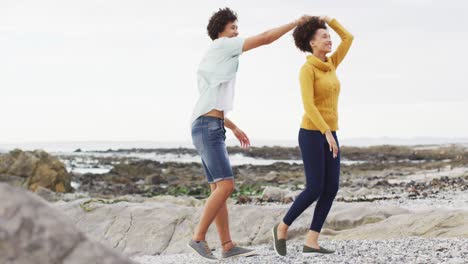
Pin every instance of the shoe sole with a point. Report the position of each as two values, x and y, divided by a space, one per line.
247 254
314 253
202 257
274 242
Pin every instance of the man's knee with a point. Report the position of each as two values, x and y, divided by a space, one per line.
225 186
212 187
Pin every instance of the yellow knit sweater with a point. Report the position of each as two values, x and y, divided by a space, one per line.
320 87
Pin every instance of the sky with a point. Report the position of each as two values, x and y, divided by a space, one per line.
120 70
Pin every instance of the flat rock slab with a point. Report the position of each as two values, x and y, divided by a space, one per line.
153 228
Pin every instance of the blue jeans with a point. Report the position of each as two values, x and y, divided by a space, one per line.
208 137
322 173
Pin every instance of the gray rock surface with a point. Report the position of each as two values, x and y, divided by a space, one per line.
31 231
153 227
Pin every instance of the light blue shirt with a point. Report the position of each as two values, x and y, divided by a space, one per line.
219 65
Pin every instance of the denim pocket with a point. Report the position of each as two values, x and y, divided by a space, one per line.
216 131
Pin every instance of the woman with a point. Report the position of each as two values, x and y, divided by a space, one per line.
317 136
216 83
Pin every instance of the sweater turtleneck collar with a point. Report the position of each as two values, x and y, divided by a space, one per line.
319 64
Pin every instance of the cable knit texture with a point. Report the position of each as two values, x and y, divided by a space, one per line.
320 87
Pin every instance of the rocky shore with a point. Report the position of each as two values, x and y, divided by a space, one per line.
367 174
409 204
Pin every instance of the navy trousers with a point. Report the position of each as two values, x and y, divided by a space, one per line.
322 173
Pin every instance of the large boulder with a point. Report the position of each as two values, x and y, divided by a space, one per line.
36 168
31 231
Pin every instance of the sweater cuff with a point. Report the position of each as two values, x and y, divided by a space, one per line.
332 21
324 129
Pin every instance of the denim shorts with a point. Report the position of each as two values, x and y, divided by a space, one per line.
208 137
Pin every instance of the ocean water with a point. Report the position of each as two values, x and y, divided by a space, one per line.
70 146
87 162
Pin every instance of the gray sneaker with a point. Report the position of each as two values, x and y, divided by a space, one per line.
237 251
202 249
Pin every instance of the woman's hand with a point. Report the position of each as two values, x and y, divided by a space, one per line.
325 18
332 143
242 137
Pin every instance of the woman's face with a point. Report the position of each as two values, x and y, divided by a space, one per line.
321 42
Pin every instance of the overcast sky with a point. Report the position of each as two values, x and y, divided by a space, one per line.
126 70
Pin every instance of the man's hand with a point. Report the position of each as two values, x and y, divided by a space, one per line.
302 20
242 137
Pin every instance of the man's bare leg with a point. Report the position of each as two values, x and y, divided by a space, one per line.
213 205
222 224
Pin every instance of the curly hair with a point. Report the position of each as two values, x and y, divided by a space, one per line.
219 20
304 33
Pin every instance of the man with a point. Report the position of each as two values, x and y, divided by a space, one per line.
216 83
